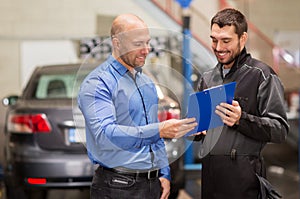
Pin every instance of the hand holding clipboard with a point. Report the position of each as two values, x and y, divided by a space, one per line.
202 106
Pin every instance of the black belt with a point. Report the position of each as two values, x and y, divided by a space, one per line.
134 173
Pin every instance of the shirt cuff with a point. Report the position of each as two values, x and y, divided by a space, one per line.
165 173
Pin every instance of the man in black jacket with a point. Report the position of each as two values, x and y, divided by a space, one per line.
232 162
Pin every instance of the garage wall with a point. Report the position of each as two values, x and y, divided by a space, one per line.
9 60
9 79
271 16
50 19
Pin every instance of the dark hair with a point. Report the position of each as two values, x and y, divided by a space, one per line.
228 17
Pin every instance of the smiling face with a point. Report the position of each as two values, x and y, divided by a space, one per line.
134 47
131 40
226 44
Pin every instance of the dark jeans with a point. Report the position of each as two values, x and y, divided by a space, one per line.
107 184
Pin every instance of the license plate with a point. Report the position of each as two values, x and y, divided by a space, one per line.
76 135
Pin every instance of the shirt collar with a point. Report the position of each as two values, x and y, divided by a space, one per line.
121 69
118 65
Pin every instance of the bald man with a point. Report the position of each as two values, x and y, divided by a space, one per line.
120 106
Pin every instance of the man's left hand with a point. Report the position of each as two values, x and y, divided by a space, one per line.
165 186
229 113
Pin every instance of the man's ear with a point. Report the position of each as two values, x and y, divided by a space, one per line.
243 39
115 42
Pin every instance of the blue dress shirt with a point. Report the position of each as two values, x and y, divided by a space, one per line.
120 111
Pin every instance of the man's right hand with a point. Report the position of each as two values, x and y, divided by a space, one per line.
175 128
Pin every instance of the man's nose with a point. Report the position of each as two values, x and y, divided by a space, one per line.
219 46
146 49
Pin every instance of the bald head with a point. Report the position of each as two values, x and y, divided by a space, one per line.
130 40
126 22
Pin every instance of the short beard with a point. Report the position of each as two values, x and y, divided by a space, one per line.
232 60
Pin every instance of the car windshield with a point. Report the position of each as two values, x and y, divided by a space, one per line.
54 86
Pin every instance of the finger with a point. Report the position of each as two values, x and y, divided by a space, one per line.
223 116
188 126
225 105
187 120
199 133
220 112
229 121
227 118
229 107
235 103
221 109
183 132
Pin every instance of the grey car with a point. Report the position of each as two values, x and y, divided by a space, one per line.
43 146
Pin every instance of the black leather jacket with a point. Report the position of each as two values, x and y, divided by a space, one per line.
260 95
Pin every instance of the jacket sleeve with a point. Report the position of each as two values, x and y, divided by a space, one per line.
271 124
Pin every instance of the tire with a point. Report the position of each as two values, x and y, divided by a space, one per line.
15 192
36 193
18 192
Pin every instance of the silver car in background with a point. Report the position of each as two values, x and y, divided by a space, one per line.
42 147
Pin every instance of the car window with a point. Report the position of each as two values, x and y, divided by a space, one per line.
55 86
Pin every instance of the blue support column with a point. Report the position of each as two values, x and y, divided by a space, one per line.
187 72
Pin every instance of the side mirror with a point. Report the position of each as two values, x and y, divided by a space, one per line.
10 100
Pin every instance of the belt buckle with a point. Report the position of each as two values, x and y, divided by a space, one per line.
155 172
233 154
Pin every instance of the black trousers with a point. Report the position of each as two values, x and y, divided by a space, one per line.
227 178
110 185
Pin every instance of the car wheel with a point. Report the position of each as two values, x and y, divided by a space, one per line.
36 193
19 192
15 192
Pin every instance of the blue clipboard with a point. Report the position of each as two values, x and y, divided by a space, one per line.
202 106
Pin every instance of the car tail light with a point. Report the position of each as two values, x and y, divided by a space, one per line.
168 114
36 181
28 123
